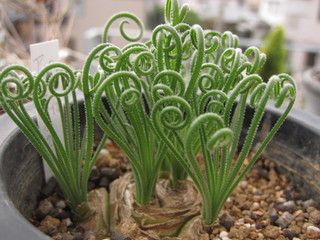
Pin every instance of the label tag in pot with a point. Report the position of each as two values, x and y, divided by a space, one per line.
42 54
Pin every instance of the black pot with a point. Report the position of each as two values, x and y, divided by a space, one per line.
296 149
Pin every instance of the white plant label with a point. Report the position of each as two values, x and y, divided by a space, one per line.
42 54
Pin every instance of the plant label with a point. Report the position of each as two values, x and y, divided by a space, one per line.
42 54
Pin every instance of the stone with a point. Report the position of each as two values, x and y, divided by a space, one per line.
309 203
273 215
239 232
45 208
255 206
227 221
223 234
50 225
271 232
284 220
289 234
243 184
313 232
105 159
104 182
110 173
67 222
291 194
61 204
63 236
60 213
288 206
314 217
263 173
294 228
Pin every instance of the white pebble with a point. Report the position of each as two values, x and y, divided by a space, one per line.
313 228
247 225
223 234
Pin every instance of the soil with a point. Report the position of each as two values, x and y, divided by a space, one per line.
265 205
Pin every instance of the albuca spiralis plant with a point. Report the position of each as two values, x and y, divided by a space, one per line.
182 96
69 153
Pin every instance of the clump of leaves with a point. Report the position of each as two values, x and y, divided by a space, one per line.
182 96
68 153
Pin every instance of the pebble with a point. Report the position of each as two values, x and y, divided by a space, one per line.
50 225
309 203
239 232
227 221
61 204
63 236
273 215
288 206
45 208
291 194
289 234
60 213
271 232
243 184
104 182
110 173
313 232
67 222
105 159
314 216
263 173
284 220
255 206
223 234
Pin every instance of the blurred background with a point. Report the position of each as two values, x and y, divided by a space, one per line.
288 31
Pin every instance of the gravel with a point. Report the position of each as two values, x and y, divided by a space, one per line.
264 206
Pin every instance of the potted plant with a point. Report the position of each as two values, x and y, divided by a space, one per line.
274 47
177 107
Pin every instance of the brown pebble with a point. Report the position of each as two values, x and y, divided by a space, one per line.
314 216
63 236
50 225
313 232
271 232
